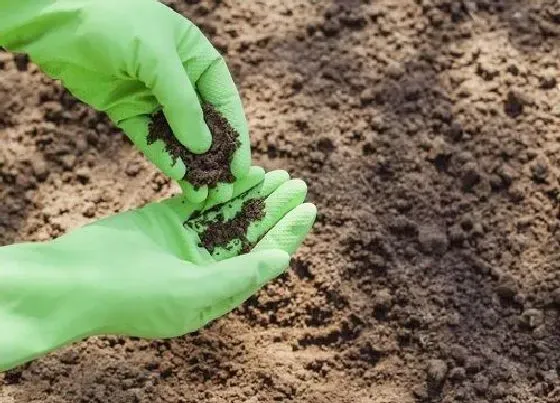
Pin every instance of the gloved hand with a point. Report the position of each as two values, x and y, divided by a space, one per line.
142 273
130 58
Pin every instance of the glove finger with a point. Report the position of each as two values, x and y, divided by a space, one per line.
273 180
220 194
290 231
194 195
284 199
217 87
136 129
254 177
174 91
207 68
181 207
241 193
221 308
231 277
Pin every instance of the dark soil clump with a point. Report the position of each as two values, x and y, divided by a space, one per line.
211 167
221 233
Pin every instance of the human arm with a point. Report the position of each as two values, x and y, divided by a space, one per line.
130 58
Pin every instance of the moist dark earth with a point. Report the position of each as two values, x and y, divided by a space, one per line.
219 233
429 134
211 167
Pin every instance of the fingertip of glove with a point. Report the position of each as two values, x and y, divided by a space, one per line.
279 175
240 165
294 189
309 210
298 185
199 141
256 171
194 195
271 264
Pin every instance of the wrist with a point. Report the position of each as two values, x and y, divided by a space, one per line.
39 307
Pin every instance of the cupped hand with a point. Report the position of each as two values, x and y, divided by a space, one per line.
157 279
146 272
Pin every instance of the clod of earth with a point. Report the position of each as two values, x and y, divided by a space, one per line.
211 167
220 233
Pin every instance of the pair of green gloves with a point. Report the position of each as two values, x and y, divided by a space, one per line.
143 272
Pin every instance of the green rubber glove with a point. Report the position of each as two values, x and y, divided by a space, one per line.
142 273
130 58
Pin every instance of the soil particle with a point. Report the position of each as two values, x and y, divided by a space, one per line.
83 174
459 353
436 373
531 318
367 96
39 168
540 169
457 374
507 174
556 296
473 364
432 240
470 176
21 61
70 357
515 104
456 235
219 234
383 301
480 383
548 81
133 168
211 167
507 288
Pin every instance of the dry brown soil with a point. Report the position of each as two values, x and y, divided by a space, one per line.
429 134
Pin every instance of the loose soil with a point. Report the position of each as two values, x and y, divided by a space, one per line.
211 167
428 132
220 233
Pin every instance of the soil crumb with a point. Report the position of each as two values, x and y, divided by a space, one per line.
211 167
221 233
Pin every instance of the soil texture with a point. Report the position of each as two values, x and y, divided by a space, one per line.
220 233
211 167
429 134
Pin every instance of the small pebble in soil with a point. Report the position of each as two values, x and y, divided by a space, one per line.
436 372
539 170
548 81
21 61
39 168
531 318
83 174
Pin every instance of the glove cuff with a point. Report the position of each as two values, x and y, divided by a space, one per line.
39 308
